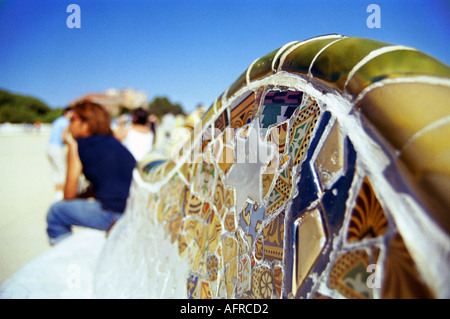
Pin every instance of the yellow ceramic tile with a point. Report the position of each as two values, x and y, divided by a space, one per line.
205 290
215 229
267 178
330 159
428 158
259 249
182 246
219 195
230 249
309 242
262 283
231 277
274 239
206 212
226 158
174 227
229 223
193 229
194 206
213 267
229 198
400 110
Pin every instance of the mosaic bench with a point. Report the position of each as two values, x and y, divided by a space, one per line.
321 172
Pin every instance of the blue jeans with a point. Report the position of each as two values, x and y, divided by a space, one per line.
77 212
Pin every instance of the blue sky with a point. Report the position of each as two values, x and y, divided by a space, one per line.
189 51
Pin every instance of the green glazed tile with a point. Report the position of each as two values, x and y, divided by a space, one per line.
336 61
218 103
263 66
209 114
238 84
299 60
394 64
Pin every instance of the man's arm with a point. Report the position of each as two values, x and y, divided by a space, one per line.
74 170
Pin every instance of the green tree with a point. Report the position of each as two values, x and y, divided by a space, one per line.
16 108
161 105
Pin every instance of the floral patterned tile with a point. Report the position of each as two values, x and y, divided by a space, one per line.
367 218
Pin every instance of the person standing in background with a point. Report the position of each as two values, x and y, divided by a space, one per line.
57 151
138 139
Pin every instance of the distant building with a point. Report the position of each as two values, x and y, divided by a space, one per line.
113 99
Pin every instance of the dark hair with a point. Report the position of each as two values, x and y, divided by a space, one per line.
139 116
95 115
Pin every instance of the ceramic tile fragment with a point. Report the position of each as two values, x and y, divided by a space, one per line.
349 275
267 178
214 231
226 158
229 198
367 219
309 243
244 275
251 220
182 246
259 249
221 123
229 222
206 211
281 192
278 135
204 180
302 129
230 249
401 279
191 288
193 228
332 67
274 239
262 283
231 277
205 290
243 242
241 113
212 267
175 227
194 206
396 64
278 280
330 160
299 60
219 195
263 66
279 106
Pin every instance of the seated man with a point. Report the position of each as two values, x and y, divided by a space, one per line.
106 164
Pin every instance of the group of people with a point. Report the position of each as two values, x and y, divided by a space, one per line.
82 145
